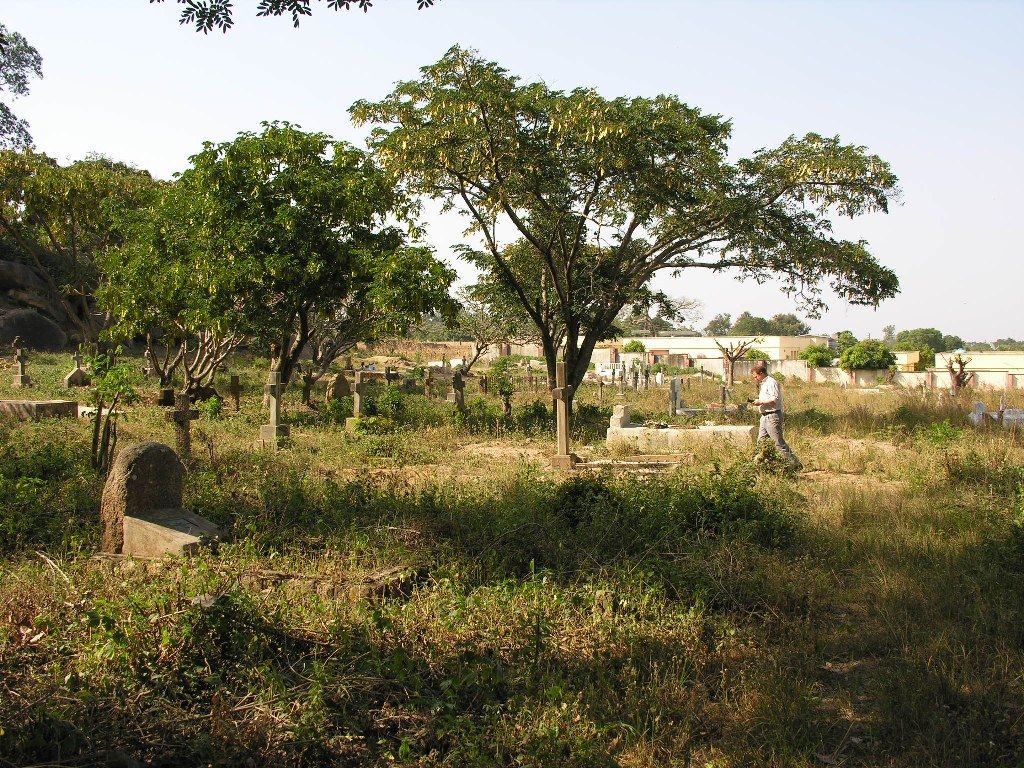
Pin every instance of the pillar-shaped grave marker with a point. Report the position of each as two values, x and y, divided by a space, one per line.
182 416
21 379
235 389
78 377
562 394
358 392
274 433
673 395
457 394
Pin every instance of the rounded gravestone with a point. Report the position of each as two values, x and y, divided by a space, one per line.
144 478
33 329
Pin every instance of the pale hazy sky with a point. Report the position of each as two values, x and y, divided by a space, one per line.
936 88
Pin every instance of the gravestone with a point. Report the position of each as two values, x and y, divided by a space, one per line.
140 512
235 389
166 397
358 392
182 416
33 410
78 377
562 392
647 377
337 387
659 379
457 394
21 379
620 416
483 384
273 434
600 390
673 396
636 379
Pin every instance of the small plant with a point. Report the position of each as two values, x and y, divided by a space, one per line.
211 407
114 383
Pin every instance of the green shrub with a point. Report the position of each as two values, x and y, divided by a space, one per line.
867 355
634 346
818 355
757 354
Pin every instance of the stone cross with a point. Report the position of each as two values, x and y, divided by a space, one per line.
357 395
562 394
236 391
182 416
22 379
78 377
272 434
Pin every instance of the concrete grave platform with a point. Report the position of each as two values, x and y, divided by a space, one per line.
166 531
621 433
33 410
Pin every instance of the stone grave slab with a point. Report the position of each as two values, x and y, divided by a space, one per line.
166 531
33 410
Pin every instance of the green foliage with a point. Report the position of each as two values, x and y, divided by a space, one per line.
784 324
211 407
563 166
868 355
818 355
720 325
919 338
19 61
635 345
757 354
64 219
208 15
844 340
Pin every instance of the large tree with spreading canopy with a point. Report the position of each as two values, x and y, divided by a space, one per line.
599 195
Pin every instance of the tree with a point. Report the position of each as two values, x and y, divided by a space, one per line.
605 193
757 354
788 324
919 338
277 237
59 219
951 343
1007 345
749 325
732 353
634 346
671 312
889 334
207 15
483 326
959 377
867 355
844 340
19 62
720 325
818 355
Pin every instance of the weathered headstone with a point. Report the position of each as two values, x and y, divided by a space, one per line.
235 389
600 390
21 379
273 434
620 416
724 397
78 377
457 395
337 387
647 377
636 379
659 378
166 398
33 410
140 512
673 395
182 416
483 384
562 393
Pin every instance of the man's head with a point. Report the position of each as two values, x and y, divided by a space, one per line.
760 371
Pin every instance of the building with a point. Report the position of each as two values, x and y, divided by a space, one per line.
688 351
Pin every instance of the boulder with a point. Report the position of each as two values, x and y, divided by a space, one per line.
33 329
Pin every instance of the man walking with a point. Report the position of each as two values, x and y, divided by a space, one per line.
769 403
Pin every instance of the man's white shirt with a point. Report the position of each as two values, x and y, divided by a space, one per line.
770 390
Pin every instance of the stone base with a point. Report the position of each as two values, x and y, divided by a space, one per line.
34 410
272 436
674 438
166 397
77 378
564 462
167 532
22 381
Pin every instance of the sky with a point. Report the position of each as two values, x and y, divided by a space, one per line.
935 88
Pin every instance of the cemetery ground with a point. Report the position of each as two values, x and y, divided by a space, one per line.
426 591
